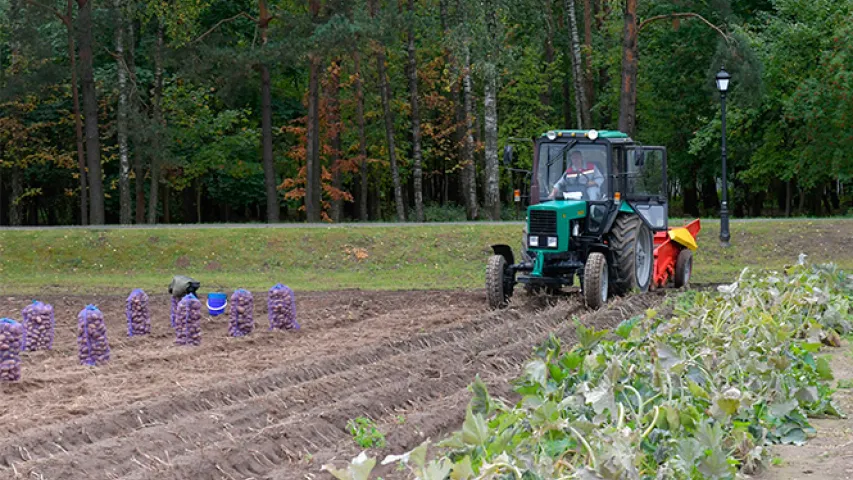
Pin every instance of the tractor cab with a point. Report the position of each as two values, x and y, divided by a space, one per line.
598 211
601 169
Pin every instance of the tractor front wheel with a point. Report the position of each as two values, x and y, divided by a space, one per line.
596 280
498 290
633 252
683 268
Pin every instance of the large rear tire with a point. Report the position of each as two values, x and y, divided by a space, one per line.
497 292
633 250
683 268
596 280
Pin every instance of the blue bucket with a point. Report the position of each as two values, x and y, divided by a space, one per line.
216 303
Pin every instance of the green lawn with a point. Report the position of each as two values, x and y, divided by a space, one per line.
422 257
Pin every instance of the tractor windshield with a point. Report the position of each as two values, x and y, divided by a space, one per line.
573 170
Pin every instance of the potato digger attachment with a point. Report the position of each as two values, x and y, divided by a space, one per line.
599 212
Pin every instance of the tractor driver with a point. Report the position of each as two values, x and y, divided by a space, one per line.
579 177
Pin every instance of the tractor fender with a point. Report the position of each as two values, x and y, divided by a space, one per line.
602 248
504 251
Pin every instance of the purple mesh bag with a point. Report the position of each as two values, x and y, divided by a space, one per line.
39 326
174 312
188 321
11 343
242 313
138 315
93 346
282 308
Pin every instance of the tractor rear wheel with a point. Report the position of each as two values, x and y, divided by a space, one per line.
497 290
596 280
683 268
633 252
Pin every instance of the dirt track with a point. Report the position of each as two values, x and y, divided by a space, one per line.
273 405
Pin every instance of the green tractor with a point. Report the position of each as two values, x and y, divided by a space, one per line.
598 211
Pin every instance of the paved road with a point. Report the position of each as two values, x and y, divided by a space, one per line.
368 224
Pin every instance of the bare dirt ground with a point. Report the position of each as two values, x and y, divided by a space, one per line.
830 453
273 405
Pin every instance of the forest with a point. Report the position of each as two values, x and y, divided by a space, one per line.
202 111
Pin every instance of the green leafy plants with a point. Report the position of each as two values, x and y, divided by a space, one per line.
365 433
696 393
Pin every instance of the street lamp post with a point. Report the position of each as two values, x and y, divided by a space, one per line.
723 78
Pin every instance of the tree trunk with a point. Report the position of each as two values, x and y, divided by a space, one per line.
789 196
270 184
198 191
567 106
138 167
628 91
78 119
589 84
384 90
167 213
362 139
547 97
603 10
490 103
122 114
691 197
470 177
461 132
417 156
90 110
363 213
334 124
313 193
156 107
16 208
581 107
493 200
710 199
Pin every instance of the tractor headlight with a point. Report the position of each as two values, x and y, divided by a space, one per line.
552 135
593 134
533 241
552 242
576 229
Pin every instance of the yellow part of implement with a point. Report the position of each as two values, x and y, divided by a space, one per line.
682 236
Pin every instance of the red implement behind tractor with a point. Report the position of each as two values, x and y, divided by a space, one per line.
674 255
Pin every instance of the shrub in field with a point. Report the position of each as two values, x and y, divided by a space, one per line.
11 343
695 394
93 348
39 326
138 316
242 313
365 433
188 321
282 308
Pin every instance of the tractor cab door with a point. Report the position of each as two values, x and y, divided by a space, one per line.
643 184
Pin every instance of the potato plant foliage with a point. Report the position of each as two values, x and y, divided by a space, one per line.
696 393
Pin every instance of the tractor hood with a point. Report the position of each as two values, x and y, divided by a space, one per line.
549 224
566 209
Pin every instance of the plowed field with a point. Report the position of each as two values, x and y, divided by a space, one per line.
273 405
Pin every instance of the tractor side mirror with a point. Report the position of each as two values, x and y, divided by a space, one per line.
507 155
639 158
